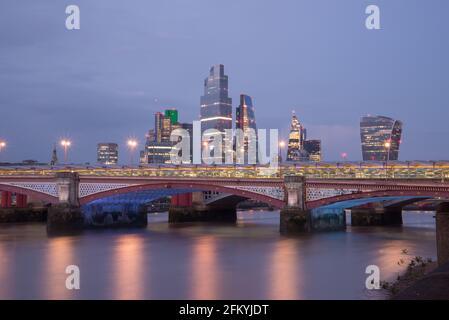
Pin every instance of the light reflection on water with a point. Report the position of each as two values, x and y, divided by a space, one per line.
249 260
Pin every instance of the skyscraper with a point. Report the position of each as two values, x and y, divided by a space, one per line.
313 148
216 105
172 114
296 138
158 124
245 119
381 138
107 153
163 125
54 157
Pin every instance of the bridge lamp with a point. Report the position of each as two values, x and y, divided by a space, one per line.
66 145
132 145
2 145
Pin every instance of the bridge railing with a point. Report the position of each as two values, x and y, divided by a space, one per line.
345 170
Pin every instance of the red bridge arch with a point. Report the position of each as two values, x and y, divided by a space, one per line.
185 185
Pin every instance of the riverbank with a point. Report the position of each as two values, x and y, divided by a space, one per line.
422 280
14 215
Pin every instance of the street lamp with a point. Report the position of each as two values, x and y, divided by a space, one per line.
387 146
65 143
132 144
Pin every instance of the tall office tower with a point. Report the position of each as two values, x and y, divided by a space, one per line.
54 157
166 129
172 114
151 136
381 138
296 138
245 119
158 124
107 153
313 148
216 105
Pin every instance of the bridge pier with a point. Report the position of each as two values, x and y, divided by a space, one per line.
294 217
66 215
193 209
376 216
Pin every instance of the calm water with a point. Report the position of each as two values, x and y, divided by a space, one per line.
249 260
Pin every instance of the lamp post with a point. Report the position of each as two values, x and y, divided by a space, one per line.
132 144
66 145
387 148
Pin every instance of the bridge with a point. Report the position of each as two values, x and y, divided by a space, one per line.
210 192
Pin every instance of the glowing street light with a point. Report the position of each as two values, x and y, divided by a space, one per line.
2 145
344 156
132 145
65 143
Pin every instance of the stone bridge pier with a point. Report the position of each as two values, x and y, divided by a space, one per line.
66 215
192 208
294 217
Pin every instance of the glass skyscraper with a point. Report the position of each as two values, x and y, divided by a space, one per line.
296 138
107 153
216 105
245 119
313 148
381 138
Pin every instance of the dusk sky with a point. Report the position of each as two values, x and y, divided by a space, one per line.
104 82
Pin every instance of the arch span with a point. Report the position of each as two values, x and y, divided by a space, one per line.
30 193
193 186
374 194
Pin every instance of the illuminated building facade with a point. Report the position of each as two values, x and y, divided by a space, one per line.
172 114
158 145
216 105
296 138
381 138
157 152
313 149
107 153
245 119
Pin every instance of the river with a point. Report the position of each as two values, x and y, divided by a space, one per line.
248 260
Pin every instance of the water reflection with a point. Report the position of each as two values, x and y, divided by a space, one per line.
129 268
250 261
205 269
58 255
285 271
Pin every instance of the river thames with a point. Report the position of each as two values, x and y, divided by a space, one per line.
246 260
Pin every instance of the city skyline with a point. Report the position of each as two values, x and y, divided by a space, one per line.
58 92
